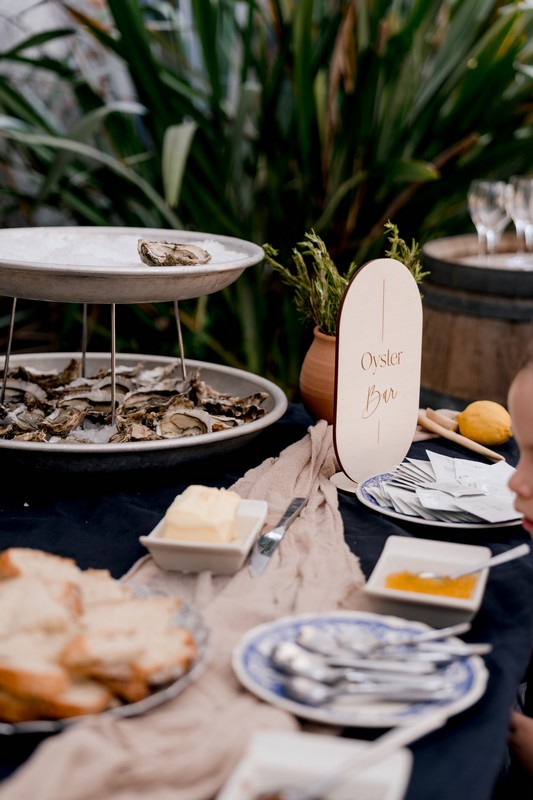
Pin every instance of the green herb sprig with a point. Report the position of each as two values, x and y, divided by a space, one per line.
317 283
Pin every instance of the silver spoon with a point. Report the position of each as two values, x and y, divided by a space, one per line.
311 693
508 555
328 644
294 660
382 747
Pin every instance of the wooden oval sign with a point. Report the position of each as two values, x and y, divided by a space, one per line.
377 385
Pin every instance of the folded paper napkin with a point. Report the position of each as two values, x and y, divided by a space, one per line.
186 749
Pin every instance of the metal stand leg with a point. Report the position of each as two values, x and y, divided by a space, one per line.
180 339
8 351
113 365
84 343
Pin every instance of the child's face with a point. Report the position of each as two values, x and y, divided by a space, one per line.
521 410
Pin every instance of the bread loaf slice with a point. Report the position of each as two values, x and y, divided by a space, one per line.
150 614
14 708
28 561
29 664
78 699
85 587
98 587
134 662
27 604
75 642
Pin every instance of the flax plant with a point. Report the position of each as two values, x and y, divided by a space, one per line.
262 119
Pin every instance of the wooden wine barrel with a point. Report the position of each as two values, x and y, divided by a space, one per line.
478 321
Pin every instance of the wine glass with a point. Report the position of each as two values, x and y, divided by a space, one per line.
487 204
520 208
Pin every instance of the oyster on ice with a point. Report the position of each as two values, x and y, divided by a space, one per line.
188 422
150 404
171 254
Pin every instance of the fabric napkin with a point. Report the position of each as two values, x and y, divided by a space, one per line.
186 749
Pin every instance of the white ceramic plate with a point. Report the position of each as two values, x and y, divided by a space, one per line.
221 558
96 264
251 663
188 617
367 500
292 758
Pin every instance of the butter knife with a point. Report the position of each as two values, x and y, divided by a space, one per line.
267 543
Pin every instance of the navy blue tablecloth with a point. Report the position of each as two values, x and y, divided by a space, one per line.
98 518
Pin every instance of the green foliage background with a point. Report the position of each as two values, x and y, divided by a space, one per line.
263 120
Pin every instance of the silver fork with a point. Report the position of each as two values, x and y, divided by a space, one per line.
267 543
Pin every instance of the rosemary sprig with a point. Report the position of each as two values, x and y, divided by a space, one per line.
317 283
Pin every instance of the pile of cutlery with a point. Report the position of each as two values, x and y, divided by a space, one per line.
319 666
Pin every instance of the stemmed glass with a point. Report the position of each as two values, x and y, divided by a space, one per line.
520 208
487 204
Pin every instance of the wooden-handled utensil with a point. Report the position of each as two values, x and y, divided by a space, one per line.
430 425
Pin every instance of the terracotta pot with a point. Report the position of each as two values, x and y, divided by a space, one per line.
317 376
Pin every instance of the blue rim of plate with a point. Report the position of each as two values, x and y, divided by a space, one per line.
366 499
252 666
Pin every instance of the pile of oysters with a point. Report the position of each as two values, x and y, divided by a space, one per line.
154 403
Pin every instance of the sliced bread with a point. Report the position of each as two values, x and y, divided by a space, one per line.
145 657
27 603
79 698
149 614
28 561
29 664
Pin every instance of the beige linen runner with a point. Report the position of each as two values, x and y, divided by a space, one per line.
186 749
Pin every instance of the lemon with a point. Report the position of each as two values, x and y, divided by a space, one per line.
485 422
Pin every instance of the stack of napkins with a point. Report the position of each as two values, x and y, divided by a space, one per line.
448 489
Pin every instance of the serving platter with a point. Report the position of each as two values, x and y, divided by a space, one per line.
253 667
367 500
93 457
97 264
188 617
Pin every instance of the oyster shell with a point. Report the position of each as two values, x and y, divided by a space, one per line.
189 422
62 421
153 403
171 254
131 431
25 419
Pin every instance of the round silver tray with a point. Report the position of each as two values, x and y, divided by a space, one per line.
81 457
101 265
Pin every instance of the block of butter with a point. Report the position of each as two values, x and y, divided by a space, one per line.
202 514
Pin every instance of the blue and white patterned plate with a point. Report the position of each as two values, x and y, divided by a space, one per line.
366 499
251 663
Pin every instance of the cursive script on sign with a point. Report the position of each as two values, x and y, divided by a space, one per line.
375 397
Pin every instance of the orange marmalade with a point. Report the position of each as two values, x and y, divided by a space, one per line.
462 587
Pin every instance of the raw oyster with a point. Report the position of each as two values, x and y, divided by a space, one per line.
62 420
171 254
151 404
184 423
23 390
26 419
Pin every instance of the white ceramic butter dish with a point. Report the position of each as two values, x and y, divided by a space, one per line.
224 558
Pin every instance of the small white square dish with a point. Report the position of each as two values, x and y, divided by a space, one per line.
402 553
223 558
275 759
